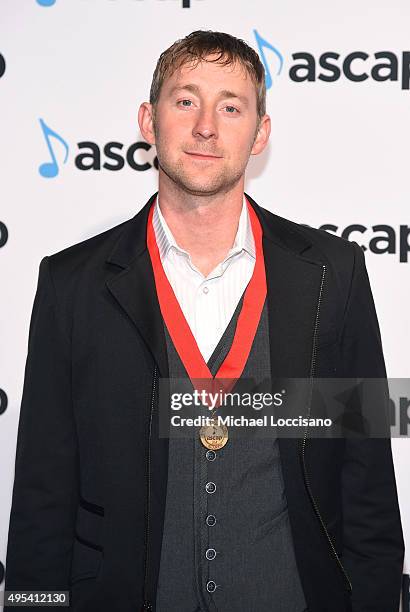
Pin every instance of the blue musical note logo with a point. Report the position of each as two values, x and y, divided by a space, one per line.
51 169
46 2
262 43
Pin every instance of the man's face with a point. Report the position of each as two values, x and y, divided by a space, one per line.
210 110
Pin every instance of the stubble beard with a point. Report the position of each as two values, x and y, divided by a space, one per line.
206 182
209 183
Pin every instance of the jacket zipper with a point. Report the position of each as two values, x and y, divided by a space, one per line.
305 471
147 606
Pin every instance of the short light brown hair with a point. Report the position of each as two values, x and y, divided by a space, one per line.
195 47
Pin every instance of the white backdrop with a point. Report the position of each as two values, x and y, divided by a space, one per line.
77 70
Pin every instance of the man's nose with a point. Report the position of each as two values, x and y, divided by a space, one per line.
205 125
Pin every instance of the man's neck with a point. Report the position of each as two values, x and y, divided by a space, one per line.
204 226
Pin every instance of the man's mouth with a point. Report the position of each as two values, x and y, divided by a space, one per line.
202 155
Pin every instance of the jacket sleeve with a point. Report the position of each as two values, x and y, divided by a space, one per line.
45 491
372 535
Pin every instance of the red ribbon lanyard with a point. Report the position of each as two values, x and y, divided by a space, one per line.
177 325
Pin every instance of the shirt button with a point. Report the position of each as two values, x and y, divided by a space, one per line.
210 487
205 289
210 520
210 455
210 586
210 554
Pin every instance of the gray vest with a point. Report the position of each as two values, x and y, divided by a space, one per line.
227 544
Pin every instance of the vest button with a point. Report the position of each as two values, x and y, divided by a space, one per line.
210 455
210 487
210 520
210 586
210 554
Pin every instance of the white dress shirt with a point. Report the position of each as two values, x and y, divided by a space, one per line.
207 302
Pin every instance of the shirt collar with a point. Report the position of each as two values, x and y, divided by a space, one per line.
165 239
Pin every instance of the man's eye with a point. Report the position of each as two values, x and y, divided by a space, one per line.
181 101
234 109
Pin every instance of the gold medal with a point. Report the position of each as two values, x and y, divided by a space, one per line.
214 436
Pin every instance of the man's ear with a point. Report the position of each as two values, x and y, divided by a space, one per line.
262 135
146 122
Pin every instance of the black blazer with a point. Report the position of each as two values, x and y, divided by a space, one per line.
91 469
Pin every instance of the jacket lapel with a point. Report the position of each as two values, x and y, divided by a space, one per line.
293 284
134 287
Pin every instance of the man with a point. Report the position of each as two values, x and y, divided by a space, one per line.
127 519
